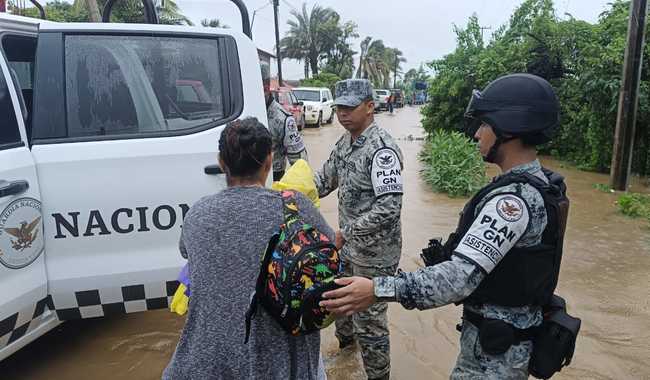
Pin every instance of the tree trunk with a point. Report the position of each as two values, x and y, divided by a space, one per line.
306 68
313 62
93 11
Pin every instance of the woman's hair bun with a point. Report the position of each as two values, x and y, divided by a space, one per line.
244 145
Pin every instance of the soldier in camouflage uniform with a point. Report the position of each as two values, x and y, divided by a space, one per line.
366 167
504 223
287 140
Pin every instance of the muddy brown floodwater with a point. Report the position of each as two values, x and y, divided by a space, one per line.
605 279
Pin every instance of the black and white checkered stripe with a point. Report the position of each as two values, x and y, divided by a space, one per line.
93 303
89 303
20 323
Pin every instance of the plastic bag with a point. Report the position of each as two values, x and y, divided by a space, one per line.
181 298
299 177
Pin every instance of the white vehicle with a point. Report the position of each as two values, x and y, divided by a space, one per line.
319 104
108 133
381 99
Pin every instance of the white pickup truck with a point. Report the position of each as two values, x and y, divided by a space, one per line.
108 133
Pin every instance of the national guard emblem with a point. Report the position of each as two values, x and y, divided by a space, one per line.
21 237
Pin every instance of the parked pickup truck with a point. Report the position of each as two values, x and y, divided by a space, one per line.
108 135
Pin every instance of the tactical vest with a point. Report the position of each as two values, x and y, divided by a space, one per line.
526 275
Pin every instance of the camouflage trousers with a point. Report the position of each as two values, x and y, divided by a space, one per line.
473 363
369 327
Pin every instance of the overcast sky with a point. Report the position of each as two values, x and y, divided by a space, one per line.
422 29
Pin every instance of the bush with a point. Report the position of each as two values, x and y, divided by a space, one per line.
583 61
635 205
453 164
323 79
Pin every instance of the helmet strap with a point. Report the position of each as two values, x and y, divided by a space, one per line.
492 153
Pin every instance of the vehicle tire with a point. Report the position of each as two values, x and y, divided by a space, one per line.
331 119
319 122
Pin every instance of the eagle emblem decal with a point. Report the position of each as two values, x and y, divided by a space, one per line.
21 233
25 234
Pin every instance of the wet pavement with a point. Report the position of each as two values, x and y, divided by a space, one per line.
605 277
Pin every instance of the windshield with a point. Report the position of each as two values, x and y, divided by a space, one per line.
307 95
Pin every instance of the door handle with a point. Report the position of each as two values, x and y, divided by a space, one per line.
213 170
13 188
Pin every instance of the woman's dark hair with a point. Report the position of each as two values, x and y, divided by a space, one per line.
244 145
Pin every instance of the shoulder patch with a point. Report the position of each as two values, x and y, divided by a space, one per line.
510 208
386 172
497 228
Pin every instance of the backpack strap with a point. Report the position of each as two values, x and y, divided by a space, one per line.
259 286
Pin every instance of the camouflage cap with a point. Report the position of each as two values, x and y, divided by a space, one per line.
352 92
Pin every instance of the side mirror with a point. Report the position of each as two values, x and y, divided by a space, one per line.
324 100
299 104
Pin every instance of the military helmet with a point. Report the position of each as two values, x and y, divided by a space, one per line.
516 105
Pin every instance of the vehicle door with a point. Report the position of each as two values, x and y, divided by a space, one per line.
329 104
23 282
133 147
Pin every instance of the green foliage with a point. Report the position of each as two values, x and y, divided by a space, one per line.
378 62
318 35
602 187
321 80
54 11
130 11
213 23
453 164
635 205
583 61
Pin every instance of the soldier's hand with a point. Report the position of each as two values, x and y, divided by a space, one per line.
358 294
339 240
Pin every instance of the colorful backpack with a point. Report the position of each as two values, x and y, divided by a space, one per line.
298 265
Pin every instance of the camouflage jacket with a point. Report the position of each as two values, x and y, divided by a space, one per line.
287 140
368 174
452 281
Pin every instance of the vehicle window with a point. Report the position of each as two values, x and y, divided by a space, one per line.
186 93
9 132
118 85
293 98
328 94
308 95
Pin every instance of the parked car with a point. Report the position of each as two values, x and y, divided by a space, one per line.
381 99
102 126
319 104
288 100
398 98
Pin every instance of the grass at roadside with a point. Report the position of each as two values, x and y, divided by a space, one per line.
635 205
453 164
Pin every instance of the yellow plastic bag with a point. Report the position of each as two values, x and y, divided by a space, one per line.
180 301
299 177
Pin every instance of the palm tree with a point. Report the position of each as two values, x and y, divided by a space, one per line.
170 13
307 38
213 23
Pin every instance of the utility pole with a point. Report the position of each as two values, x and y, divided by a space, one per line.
276 3
395 74
628 98
482 29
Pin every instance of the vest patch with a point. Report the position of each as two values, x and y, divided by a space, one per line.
386 172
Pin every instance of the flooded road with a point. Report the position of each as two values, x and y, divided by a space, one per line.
605 279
